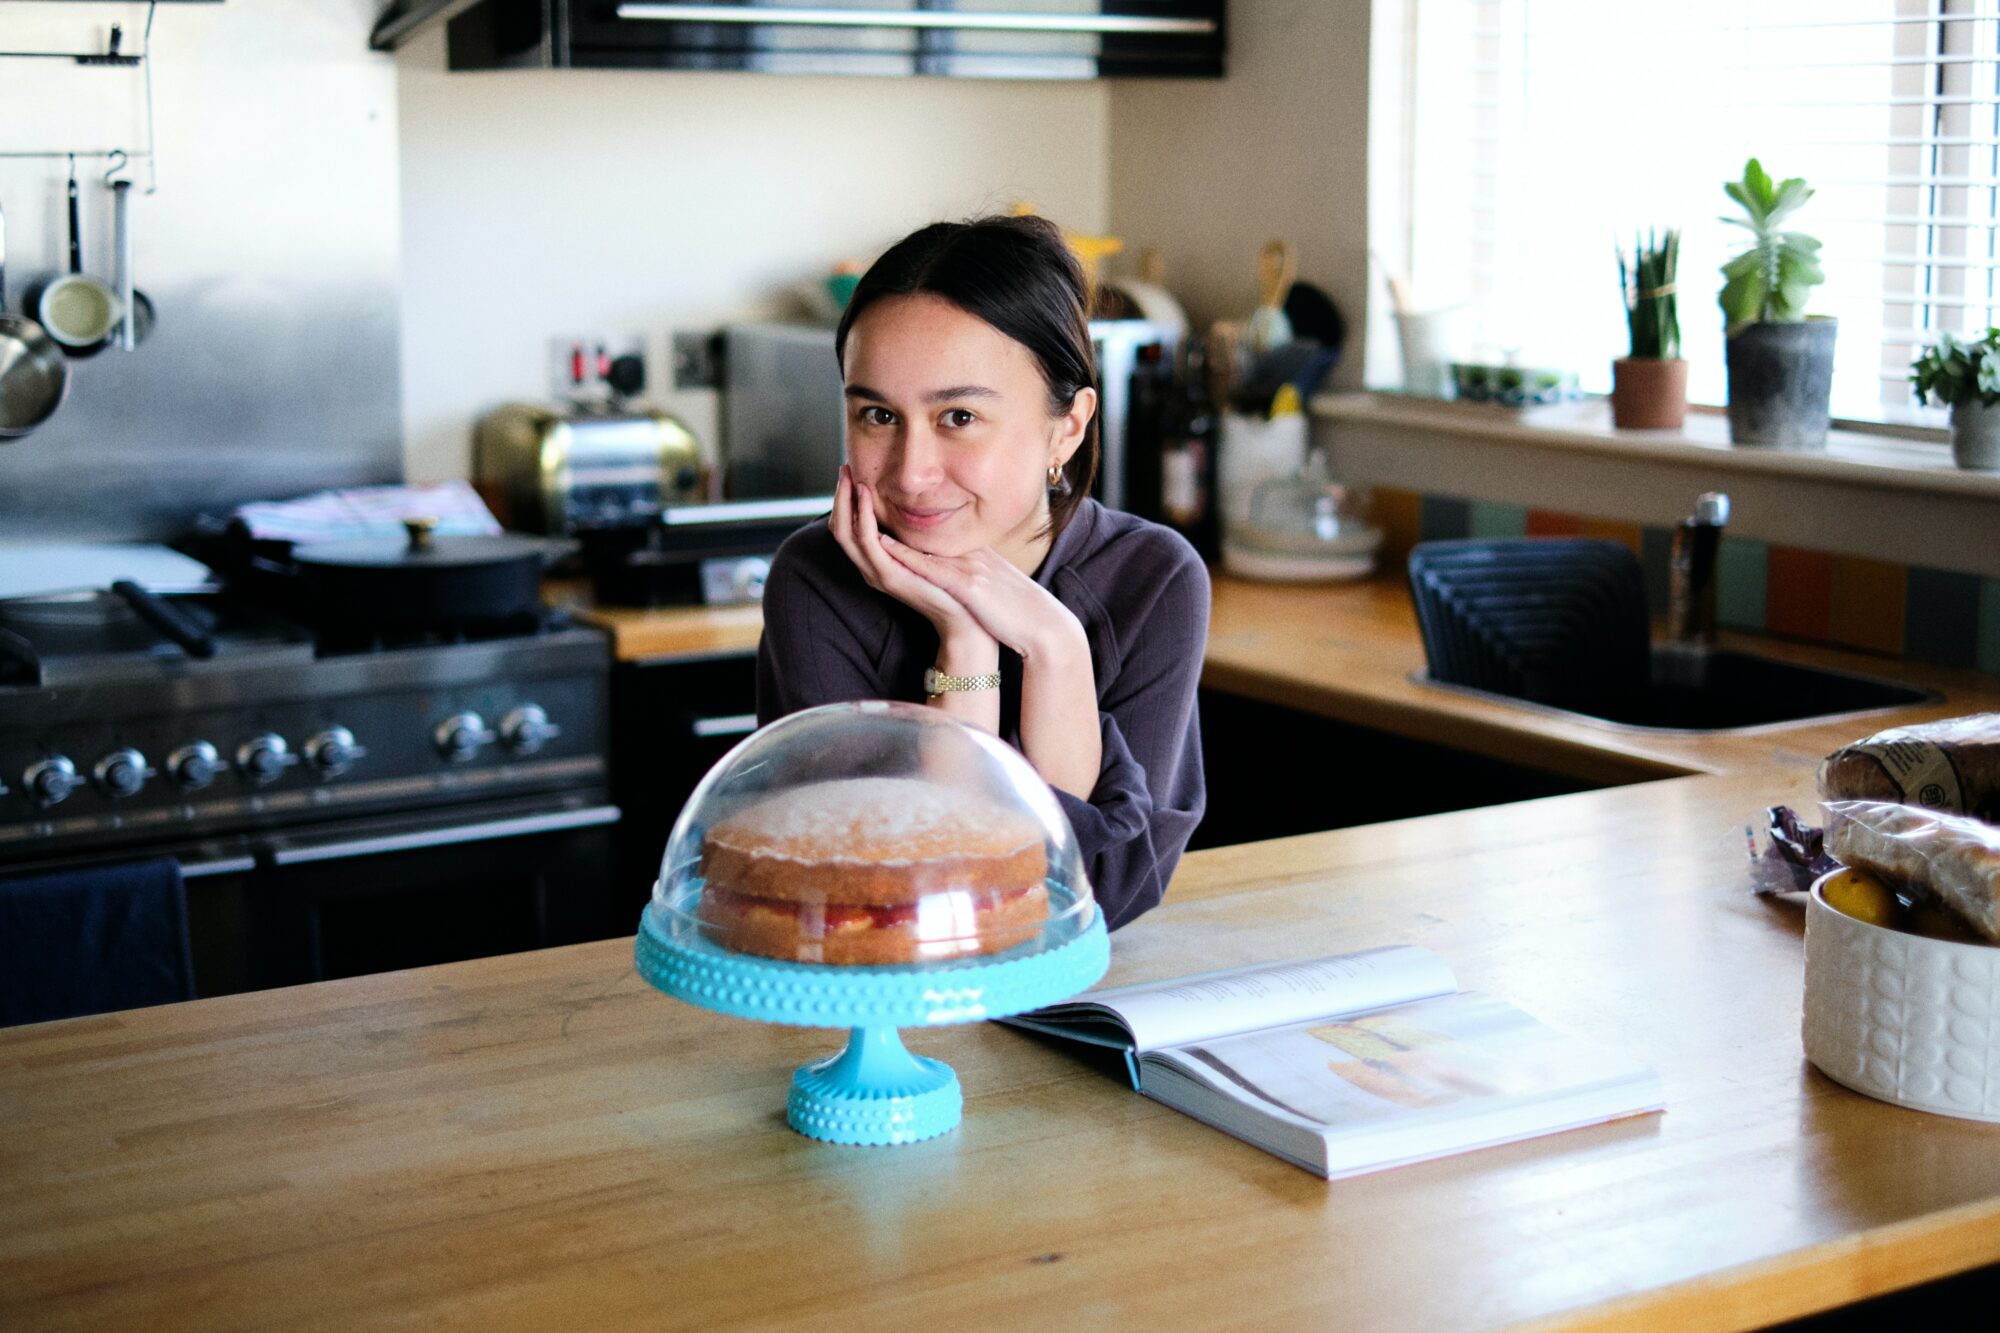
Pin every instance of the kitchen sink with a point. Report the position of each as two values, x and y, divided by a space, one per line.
1717 690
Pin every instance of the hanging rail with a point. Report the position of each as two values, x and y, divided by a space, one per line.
113 56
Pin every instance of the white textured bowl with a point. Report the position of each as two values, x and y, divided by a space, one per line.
1902 1017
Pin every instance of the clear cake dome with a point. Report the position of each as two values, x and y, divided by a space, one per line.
872 834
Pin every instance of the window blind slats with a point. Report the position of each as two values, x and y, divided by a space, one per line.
1662 24
1903 300
1890 109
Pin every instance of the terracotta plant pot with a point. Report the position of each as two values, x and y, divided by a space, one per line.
1975 436
1648 394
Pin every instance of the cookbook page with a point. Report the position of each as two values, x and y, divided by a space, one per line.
1416 1078
1159 1014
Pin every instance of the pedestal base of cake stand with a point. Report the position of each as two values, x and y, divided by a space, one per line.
874 1092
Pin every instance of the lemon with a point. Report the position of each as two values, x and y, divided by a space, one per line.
1858 894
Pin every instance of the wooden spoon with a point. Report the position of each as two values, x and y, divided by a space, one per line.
1277 268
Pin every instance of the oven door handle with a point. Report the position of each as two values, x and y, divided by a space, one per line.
217 865
730 724
299 854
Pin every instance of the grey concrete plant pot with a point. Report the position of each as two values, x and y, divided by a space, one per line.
1781 383
1975 436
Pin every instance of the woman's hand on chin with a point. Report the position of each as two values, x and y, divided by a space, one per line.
1007 604
853 526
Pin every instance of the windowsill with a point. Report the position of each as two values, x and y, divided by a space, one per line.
1850 456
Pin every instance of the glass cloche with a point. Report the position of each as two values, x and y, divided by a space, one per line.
872 866
871 835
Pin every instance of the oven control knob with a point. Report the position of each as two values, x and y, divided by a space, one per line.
334 751
194 766
121 773
263 759
527 729
51 781
459 737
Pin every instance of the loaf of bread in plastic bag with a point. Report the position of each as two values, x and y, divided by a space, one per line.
1952 765
1954 859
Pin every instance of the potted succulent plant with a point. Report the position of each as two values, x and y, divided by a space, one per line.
1780 361
1965 376
1649 387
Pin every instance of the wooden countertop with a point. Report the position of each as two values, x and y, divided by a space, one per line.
541 1139
1348 652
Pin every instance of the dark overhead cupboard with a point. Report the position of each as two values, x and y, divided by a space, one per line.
981 39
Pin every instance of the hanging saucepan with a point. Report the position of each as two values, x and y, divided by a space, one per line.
137 323
34 379
426 583
79 311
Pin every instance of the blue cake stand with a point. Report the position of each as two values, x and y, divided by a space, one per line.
875 1091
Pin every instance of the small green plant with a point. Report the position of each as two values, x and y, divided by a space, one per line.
1955 372
1769 282
1652 312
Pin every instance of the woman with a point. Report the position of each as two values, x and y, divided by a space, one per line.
965 564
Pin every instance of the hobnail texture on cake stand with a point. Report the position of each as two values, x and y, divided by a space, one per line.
875 1091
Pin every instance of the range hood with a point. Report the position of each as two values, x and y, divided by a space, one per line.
1018 39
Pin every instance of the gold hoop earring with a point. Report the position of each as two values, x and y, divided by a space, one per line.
1055 475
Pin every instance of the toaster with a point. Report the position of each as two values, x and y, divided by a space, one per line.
578 468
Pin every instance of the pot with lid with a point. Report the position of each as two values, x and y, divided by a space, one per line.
426 582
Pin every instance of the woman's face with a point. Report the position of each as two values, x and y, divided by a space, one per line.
948 424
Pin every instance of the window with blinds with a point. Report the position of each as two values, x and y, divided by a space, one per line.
1517 143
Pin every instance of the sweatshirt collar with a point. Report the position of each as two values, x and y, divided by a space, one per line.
1071 542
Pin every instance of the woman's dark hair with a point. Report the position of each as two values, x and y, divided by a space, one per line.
1018 275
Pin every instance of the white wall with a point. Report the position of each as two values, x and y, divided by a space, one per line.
269 251
1209 171
539 204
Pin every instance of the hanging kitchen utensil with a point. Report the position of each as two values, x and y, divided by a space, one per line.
138 307
1277 267
79 311
426 583
34 378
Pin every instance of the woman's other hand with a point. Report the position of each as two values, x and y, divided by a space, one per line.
1059 723
1007 604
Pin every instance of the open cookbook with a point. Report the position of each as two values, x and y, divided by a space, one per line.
1354 1063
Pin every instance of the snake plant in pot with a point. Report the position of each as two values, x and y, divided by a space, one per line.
1965 376
1780 360
1649 387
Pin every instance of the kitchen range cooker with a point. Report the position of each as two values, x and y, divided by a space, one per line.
339 801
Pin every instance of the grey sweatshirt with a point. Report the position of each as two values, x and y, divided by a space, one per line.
1141 594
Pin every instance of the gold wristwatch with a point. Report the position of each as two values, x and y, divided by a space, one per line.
937 682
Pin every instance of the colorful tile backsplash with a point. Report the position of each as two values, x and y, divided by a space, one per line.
1938 616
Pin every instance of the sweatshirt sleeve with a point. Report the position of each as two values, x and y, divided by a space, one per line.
1150 792
809 653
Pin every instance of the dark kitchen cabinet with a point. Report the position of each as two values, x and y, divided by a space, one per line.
983 39
1274 772
670 722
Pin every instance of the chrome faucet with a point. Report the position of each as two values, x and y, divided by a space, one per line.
1691 574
